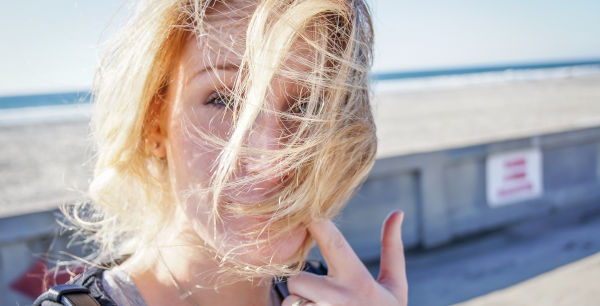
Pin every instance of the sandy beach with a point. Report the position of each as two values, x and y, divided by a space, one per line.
46 164
43 165
421 121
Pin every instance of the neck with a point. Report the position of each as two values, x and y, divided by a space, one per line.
184 274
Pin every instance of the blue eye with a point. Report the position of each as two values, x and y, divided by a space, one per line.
219 100
300 108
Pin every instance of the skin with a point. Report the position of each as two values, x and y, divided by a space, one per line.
190 105
348 281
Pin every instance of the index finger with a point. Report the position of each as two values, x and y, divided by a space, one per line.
341 259
392 265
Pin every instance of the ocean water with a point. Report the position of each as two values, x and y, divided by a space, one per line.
543 66
446 81
39 108
26 109
63 98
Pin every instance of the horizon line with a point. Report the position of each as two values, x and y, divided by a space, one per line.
474 69
389 75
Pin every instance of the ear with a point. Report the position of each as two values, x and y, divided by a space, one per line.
155 135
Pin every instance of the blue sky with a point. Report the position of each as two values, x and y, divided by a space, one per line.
50 46
435 34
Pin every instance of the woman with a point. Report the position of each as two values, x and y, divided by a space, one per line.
229 133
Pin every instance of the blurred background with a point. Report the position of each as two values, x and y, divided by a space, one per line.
488 116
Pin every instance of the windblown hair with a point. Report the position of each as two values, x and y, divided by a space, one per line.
328 149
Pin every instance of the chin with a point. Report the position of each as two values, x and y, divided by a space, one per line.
281 251
227 240
285 250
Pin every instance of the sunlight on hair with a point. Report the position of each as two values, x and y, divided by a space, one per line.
322 46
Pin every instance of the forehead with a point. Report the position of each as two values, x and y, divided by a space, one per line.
222 41
222 38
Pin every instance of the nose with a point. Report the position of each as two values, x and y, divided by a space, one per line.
264 138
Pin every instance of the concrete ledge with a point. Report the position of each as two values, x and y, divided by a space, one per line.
28 226
442 193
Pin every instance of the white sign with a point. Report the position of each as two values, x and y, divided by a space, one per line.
513 176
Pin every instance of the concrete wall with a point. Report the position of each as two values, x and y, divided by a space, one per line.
24 240
443 194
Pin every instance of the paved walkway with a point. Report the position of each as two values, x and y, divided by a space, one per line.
554 260
577 283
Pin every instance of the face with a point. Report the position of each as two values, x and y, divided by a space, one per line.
196 103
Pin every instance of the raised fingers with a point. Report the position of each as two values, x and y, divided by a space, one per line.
392 273
348 281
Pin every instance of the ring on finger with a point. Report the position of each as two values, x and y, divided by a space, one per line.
301 301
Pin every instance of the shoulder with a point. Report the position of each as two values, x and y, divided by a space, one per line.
92 279
86 285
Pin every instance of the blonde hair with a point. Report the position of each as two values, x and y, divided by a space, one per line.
327 155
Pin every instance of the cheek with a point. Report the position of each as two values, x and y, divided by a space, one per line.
191 156
189 161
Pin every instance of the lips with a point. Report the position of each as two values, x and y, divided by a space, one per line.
256 191
248 194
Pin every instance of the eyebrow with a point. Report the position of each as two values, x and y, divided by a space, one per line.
222 66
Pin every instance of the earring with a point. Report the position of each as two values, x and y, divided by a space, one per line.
155 145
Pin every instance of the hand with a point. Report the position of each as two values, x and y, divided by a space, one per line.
348 281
